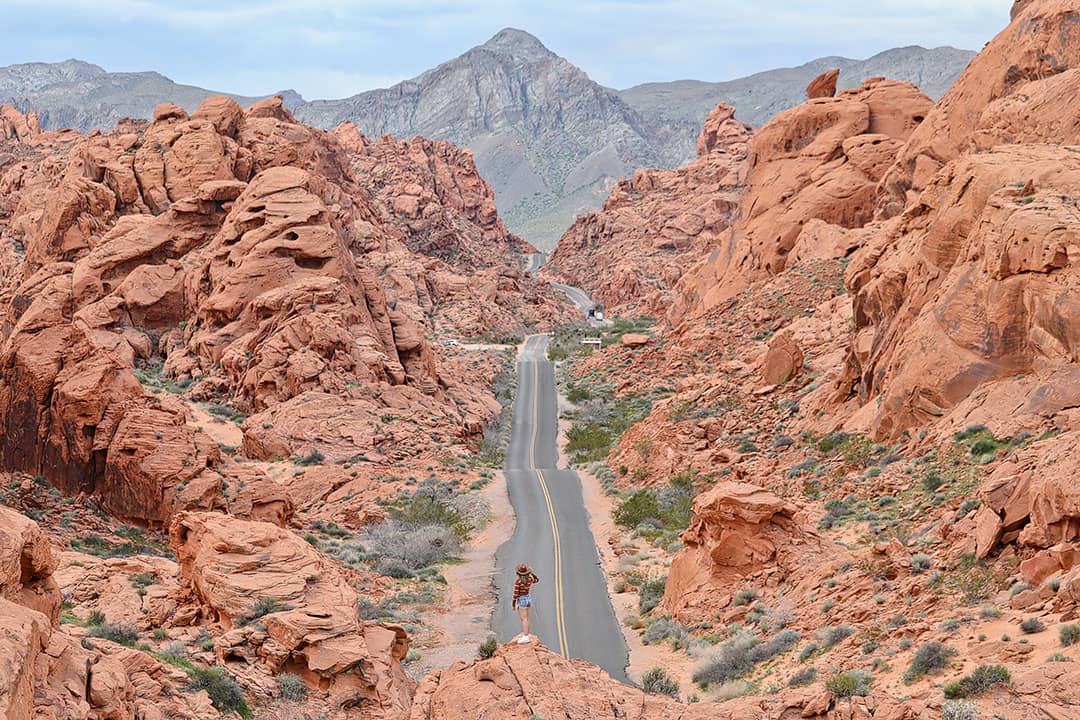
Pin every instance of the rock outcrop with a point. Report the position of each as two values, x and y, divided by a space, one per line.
1041 42
824 85
256 261
235 570
738 531
819 161
654 226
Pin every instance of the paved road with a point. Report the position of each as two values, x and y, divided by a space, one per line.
572 612
536 261
577 296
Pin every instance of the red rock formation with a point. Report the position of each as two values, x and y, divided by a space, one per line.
819 161
228 565
824 85
1042 41
738 531
631 252
252 255
977 271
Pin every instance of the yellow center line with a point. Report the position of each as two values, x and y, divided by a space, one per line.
560 620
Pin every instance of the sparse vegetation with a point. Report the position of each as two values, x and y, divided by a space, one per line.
805 676
488 647
1032 625
979 681
1069 634
851 683
931 657
225 694
658 682
291 687
650 593
116 632
959 710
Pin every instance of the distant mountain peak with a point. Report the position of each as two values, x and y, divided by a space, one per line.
517 43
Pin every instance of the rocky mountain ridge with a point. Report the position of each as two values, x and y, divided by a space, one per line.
550 140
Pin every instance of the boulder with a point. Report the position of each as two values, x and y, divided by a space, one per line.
824 85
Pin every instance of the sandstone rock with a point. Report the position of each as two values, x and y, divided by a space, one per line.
633 340
821 160
737 529
824 85
1041 42
229 565
26 565
783 361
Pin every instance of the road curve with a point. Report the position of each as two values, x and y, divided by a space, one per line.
572 612
583 302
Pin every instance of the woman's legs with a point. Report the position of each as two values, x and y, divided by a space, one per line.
523 613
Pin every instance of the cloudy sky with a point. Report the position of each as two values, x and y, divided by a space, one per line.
335 48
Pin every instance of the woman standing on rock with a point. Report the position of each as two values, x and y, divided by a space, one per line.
522 602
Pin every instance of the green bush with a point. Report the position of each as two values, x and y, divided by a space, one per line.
650 594
117 633
805 676
658 682
931 657
291 687
959 710
979 681
637 509
745 596
1069 635
224 693
829 636
1030 626
488 647
730 661
262 606
849 684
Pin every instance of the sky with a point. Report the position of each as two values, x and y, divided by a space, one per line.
337 48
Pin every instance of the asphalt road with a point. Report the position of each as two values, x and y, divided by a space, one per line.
572 612
577 296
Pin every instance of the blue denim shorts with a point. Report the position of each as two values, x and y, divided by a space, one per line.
524 601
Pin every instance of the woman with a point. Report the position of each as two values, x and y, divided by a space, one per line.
522 602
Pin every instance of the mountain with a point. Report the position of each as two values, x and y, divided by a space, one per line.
84 96
550 140
545 135
681 106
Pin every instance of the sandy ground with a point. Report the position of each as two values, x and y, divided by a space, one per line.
608 536
463 619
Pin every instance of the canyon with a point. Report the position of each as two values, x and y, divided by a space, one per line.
257 380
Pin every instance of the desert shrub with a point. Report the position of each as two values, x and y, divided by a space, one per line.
949 625
802 468
1030 626
989 612
291 687
120 634
263 606
642 506
658 682
778 643
808 651
224 692
312 458
1069 635
663 629
805 676
1058 657
96 617
434 504
920 562
745 596
650 593
399 550
829 636
831 441
851 683
730 661
1017 588
979 681
959 710
931 657
488 647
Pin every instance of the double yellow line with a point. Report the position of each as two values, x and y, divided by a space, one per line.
560 620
